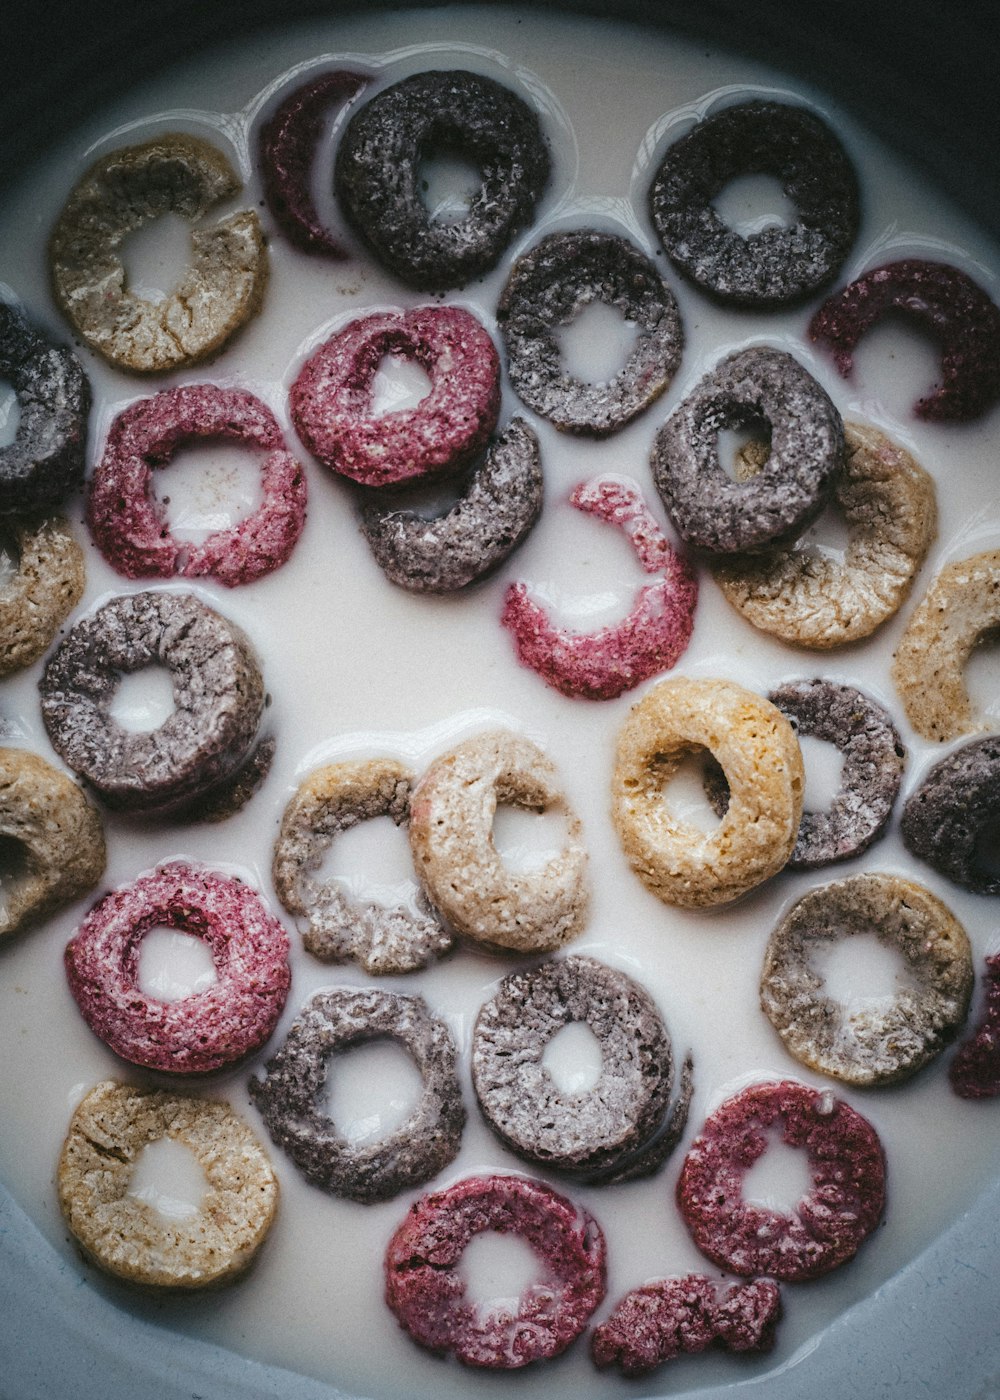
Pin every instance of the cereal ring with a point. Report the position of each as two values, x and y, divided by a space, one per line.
425 1289
830 1222
760 757
331 398
379 169
809 599
45 461
878 1044
975 1070
207 1029
129 524
295 1078
451 834
710 510
125 1235
778 264
652 638
222 287
54 840
44 589
948 820
332 800
547 289
218 695
948 305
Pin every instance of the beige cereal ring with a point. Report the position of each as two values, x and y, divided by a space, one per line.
760 756
221 288
44 588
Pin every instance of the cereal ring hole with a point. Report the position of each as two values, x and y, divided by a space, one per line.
143 700
595 574
156 256
372 863
780 1176
17 866
744 447
10 413
894 360
749 204
596 343
399 383
173 965
824 765
527 839
209 486
497 1270
859 970
169 1179
574 1059
982 677
449 184
10 556
687 785
372 1088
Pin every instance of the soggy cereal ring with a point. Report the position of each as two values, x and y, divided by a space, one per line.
710 510
292 1091
207 1029
127 1236
547 289
331 399
46 586
873 1044
948 820
451 834
379 169
832 1220
778 264
129 524
425 1289
760 758
975 1070
331 800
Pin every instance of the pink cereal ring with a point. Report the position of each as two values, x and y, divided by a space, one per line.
832 1219
128 523
601 665
332 397
975 1070
209 1028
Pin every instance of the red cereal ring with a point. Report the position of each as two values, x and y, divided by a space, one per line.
830 1222
975 1070
601 665
127 521
332 397
207 1029
424 1286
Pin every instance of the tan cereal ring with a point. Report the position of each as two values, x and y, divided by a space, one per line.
45 587
222 287
760 756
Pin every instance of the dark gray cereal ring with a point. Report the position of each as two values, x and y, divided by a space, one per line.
290 1094
44 589
948 819
547 289
754 388
776 265
379 164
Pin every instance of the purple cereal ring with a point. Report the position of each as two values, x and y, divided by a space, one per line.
332 397
200 1032
127 522
975 1070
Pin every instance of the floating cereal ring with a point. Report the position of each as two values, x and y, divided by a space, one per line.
809 599
975 1070
127 1236
451 834
948 820
547 289
295 1078
760 757
778 264
44 589
379 170
331 399
947 304
710 510
652 638
830 1222
221 289
425 1289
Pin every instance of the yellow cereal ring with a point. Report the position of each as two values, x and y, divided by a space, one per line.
43 590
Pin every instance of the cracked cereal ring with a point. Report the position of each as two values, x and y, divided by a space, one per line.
221 289
379 170
778 264
948 305
710 510
833 1218
295 1078
53 840
218 696
809 599
125 1235
879 1044
425 1289
45 461
975 1070
129 524
604 1133
44 589
332 396
451 835
331 800
652 638
205 1030
948 820
547 289
759 754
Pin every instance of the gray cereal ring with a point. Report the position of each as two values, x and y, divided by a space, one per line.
290 1094
44 589
948 819
547 288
